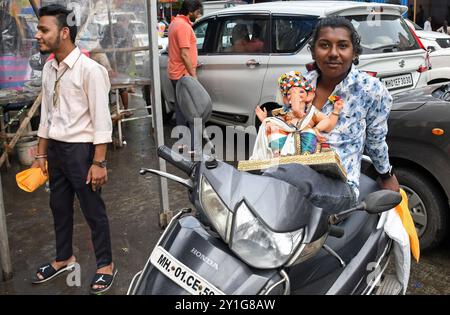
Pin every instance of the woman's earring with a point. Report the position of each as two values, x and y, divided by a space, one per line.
356 61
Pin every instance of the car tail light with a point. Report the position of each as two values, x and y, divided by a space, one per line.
422 69
371 73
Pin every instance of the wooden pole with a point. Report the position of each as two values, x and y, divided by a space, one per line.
415 10
22 128
5 256
35 7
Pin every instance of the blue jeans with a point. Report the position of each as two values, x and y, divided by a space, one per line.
330 194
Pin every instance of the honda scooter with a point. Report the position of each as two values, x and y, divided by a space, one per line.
256 235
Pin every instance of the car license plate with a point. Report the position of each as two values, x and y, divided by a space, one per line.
181 274
398 81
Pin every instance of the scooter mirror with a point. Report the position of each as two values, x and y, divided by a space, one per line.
382 200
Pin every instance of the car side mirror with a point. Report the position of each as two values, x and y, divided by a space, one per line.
381 201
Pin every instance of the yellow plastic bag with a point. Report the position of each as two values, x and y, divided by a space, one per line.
408 223
31 179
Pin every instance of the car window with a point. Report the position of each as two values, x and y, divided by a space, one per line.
290 33
200 33
387 33
243 35
443 42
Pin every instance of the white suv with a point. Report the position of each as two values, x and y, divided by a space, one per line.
240 79
438 45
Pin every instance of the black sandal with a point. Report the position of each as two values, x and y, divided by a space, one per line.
48 272
103 279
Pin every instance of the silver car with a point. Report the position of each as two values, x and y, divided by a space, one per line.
240 79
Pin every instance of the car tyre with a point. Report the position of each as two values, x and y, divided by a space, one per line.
427 206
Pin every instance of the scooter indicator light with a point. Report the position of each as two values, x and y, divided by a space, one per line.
438 131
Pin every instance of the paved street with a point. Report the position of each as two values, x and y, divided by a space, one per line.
133 204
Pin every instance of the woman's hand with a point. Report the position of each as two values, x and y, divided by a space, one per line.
390 184
261 113
97 176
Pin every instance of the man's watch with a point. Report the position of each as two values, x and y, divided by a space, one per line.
101 164
387 175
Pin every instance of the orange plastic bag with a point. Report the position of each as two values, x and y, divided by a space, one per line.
31 179
408 223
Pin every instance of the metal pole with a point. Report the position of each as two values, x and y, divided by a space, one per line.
155 95
111 35
415 10
5 257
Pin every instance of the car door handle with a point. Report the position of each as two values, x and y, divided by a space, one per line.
252 63
200 65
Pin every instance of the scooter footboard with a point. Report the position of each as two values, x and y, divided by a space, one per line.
189 259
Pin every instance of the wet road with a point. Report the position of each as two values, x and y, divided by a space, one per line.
133 205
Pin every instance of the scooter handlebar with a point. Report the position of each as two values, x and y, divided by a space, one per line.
336 231
176 159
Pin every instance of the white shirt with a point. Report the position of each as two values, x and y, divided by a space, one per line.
82 114
427 26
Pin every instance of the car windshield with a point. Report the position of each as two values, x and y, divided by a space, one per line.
416 27
384 34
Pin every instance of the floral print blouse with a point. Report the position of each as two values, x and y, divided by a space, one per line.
362 123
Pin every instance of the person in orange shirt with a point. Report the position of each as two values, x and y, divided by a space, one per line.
183 52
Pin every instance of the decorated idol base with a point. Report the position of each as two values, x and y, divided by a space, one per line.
325 162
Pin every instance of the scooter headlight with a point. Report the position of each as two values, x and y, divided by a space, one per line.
259 246
215 209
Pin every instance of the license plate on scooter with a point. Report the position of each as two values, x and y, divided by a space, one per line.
181 274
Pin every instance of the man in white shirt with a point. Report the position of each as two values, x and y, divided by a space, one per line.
427 25
73 134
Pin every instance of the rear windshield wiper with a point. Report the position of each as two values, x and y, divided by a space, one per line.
386 47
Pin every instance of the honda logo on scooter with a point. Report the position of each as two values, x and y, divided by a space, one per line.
206 259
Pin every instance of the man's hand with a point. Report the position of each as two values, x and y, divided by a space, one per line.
390 184
97 176
41 163
261 113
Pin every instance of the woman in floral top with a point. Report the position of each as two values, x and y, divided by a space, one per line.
362 123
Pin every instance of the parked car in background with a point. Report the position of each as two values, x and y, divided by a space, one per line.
438 45
419 150
239 80
214 6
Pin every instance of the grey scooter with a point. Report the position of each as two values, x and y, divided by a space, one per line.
254 234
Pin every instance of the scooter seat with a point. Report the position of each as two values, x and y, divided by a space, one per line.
366 186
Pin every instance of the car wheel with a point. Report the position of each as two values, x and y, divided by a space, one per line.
427 206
